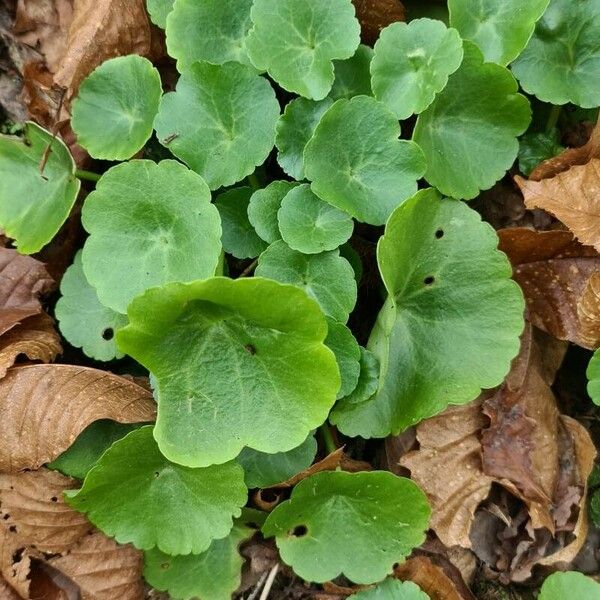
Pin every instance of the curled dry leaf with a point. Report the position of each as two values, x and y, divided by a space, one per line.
45 407
374 15
330 463
588 311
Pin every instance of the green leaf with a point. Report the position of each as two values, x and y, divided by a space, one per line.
295 127
208 30
263 470
296 42
500 28
326 277
392 589
309 225
593 375
355 524
357 163
347 354
594 509
149 224
469 145
239 238
412 63
115 108
137 496
34 204
159 10
570 584
535 148
237 363
351 255
368 379
83 320
561 62
220 121
353 76
263 208
89 446
446 282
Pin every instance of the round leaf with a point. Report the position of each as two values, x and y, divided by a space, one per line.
309 225
392 589
593 375
500 28
357 163
159 10
535 148
447 282
220 121
208 30
570 584
297 40
263 207
355 524
326 277
34 204
137 496
237 363
561 62
368 379
469 145
412 63
347 353
149 224
353 76
115 109
83 320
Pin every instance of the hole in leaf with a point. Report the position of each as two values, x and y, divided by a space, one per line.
18 555
299 531
250 349
269 496
108 334
156 474
13 529
165 566
439 234
6 517
429 280
54 499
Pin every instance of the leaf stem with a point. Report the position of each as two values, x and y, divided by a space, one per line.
249 268
87 175
553 117
328 438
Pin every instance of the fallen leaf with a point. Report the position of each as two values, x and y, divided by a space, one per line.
330 463
7 592
588 311
374 15
45 407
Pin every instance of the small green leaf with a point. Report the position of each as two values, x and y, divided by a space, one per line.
309 225
34 204
412 63
296 42
594 508
351 255
159 10
326 277
295 127
368 379
89 446
593 375
263 208
357 163
469 145
137 496
561 62
446 282
569 584
263 470
149 224
535 148
500 28
353 76
115 108
239 238
392 589
83 320
220 121
355 524
347 353
208 30
237 363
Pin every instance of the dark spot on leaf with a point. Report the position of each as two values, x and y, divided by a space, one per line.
164 566
108 334
54 499
429 280
6 517
156 474
13 529
299 531
269 496
18 555
439 234
250 348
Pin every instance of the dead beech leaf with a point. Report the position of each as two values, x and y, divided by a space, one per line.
572 196
374 15
45 407
588 311
7 592
330 463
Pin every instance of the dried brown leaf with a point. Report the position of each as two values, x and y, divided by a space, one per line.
330 463
374 15
7 592
45 407
588 311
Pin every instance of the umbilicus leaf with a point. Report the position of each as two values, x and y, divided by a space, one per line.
220 121
35 203
149 224
593 375
469 145
452 320
236 362
137 496
357 163
355 524
353 75
569 584
263 207
296 42
392 589
347 353
115 108
412 63
159 10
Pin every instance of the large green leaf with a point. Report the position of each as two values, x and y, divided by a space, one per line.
452 320
208 30
149 224
115 107
159 10
35 203
357 163
469 132
237 363
263 207
353 75
392 589
297 40
501 28
569 585
368 378
347 353
355 524
593 375
137 496
220 121
561 63
412 64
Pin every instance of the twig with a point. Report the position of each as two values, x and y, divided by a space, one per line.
249 268
46 154
269 582
258 586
